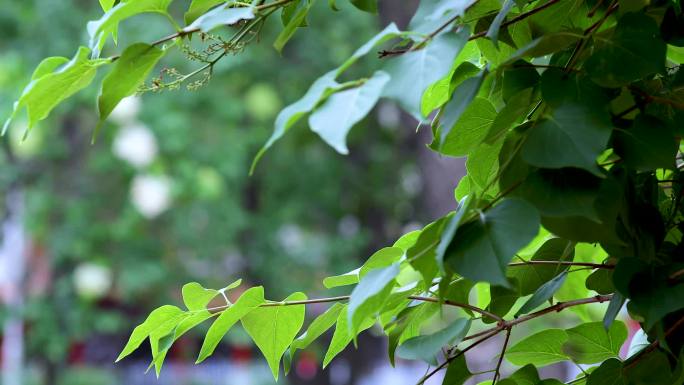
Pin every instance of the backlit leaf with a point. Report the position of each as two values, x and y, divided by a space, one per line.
590 343
274 328
541 349
129 72
248 301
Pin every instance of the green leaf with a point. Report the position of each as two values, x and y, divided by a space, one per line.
493 31
466 119
482 166
609 373
369 295
48 65
675 54
51 84
422 255
483 248
274 328
381 258
292 113
449 231
432 13
426 347
501 301
319 326
438 93
345 279
519 77
157 319
514 111
652 368
196 296
221 16
366 5
573 137
543 294
532 277
408 324
601 281
590 343
574 287
388 33
614 307
161 339
636 41
407 240
129 72
99 29
336 116
302 10
198 8
413 72
107 4
647 145
342 337
527 375
541 349
546 44
562 193
457 372
250 300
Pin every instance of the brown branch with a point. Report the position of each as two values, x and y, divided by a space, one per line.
497 373
578 48
186 31
592 12
676 275
565 263
522 16
559 307
648 98
346 298
455 356
652 346
518 18
461 305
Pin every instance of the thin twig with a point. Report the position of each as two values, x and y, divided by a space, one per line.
587 32
478 35
518 18
189 31
592 12
346 298
676 275
559 307
455 356
652 346
566 263
461 305
497 373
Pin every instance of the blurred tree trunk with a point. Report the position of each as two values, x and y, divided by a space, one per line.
439 175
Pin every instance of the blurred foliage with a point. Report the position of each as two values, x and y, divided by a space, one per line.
304 208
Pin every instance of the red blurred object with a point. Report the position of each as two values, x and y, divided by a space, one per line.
306 367
241 353
77 353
